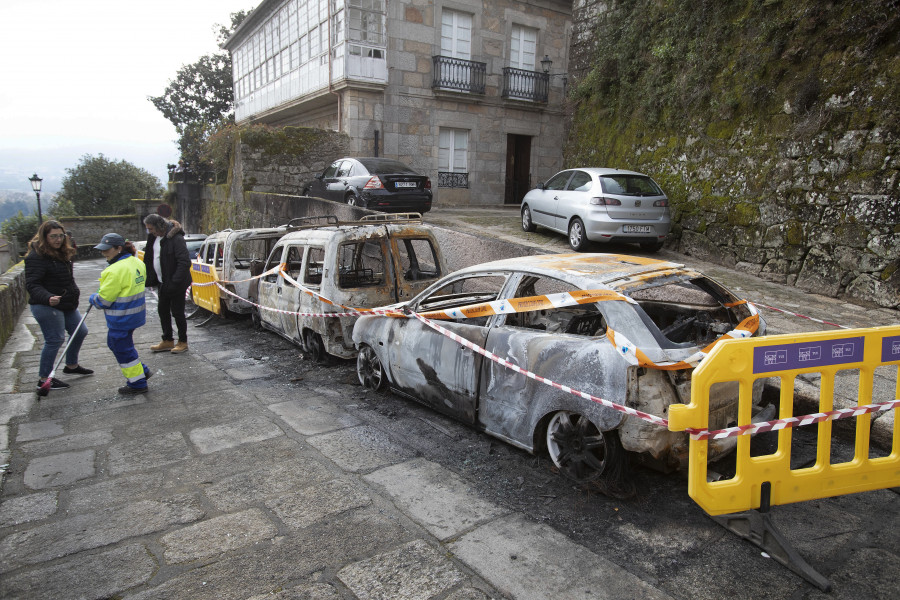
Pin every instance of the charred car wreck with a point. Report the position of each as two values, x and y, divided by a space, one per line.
668 312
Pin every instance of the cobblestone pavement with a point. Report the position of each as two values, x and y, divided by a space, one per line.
238 478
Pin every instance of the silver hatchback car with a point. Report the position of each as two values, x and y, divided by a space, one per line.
600 205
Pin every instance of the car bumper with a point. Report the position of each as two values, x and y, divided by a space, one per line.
417 202
600 228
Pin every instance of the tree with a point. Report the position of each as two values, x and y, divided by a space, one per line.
100 186
200 98
21 229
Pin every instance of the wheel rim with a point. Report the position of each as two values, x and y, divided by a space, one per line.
368 368
351 200
576 446
575 234
526 219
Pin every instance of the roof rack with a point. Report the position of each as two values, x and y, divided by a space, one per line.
387 218
312 221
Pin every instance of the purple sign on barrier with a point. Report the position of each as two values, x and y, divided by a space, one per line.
804 355
890 349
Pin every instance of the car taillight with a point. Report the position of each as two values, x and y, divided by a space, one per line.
427 184
663 202
605 202
374 184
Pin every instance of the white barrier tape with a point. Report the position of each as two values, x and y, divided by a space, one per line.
793 314
354 311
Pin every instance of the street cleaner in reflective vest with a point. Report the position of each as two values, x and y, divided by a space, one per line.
121 296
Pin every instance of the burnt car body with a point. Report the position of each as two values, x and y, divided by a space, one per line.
666 310
377 183
378 260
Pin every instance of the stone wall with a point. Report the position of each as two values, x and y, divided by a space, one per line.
87 231
778 143
13 299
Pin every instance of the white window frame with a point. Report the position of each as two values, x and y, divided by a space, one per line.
456 34
453 150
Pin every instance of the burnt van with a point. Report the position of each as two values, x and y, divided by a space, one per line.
374 262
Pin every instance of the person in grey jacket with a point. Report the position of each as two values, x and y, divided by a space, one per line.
53 299
169 269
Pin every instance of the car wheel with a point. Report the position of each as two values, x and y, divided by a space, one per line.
527 223
577 236
580 450
368 368
314 346
352 200
651 246
256 318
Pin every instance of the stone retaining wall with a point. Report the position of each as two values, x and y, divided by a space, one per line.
13 299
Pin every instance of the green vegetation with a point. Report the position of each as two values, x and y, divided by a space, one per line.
100 186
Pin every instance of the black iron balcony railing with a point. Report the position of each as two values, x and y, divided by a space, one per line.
453 180
458 74
525 85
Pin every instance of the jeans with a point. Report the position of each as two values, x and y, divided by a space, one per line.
171 304
54 325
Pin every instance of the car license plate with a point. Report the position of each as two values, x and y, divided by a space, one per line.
405 184
637 228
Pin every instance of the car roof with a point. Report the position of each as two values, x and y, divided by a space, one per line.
609 271
601 171
355 230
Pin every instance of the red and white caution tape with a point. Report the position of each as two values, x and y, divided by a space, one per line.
793 314
833 415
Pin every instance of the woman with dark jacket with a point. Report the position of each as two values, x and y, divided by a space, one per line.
169 267
53 299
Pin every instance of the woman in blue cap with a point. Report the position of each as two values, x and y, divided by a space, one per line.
121 296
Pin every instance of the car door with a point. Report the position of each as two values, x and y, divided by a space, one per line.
573 200
318 187
289 300
433 368
417 262
269 290
543 202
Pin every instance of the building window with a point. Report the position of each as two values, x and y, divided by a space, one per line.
456 34
453 158
365 21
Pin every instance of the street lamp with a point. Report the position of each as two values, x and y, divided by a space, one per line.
36 186
546 63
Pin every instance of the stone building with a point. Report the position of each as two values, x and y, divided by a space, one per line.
461 90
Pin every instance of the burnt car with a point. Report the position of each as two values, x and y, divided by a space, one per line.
378 260
669 312
381 184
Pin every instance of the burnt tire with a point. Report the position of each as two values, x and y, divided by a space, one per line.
527 221
577 235
370 370
581 451
256 318
313 346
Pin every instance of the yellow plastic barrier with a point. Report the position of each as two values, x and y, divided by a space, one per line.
205 296
787 356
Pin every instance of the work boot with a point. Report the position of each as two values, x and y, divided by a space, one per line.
180 347
127 390
163 346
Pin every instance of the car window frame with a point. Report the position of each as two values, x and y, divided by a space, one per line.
571 182
558 176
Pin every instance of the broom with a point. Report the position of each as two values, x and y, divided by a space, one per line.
45 387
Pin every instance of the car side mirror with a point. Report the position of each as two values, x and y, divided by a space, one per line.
542 185
320 175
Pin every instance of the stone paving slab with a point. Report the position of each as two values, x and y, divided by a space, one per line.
313 418
100 575
95 530
360 449
415 571
217 535
533 562
228 435
59 469
434 497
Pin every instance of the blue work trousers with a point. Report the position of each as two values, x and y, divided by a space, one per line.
54 325
122 345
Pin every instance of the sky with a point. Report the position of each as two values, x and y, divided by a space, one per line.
76 75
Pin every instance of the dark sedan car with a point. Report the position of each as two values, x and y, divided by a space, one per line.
377 183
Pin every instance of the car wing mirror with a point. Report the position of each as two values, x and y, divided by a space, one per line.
320 175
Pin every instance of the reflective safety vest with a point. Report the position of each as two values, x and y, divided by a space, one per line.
121 293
